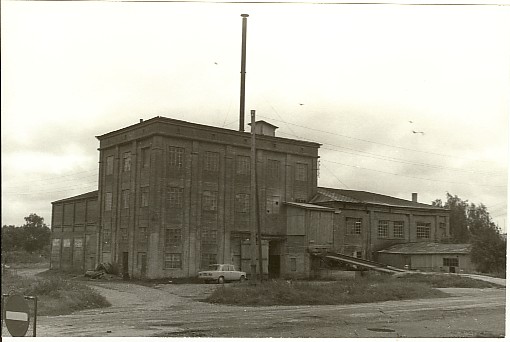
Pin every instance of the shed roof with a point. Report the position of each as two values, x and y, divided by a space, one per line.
364 197
427 248
91 194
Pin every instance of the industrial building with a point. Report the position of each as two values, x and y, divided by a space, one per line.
175 197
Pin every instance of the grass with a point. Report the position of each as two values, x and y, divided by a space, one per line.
447 280
24 258
368 289
56 296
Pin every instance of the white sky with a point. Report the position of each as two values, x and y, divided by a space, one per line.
74 70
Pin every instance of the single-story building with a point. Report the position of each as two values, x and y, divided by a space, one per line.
428 256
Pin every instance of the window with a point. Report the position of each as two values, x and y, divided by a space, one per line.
293 264
243 165
442 229
107 235
210 201
175 197
353 225
359 254
123 234
173 236
56 243
126 162
78 243
209 236
423 230
125 199
451 262
144 200
108 201
382 229
109 165
173 260
207 259
273 169
211 161
398 229
146 157
176 157
142 234
242 203
273 204
301 172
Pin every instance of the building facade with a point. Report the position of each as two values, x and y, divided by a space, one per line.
176 196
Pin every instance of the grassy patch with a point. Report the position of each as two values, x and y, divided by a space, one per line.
24 258
447 280
56 296
320 293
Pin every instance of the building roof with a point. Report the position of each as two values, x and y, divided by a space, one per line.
364 197
92 194
181 123
427 248
309 206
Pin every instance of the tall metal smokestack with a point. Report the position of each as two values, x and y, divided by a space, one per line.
243 74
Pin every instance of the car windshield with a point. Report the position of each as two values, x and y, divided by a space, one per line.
214 268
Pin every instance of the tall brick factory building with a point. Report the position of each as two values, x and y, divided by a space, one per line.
175 197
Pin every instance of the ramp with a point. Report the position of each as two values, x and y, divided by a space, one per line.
372 265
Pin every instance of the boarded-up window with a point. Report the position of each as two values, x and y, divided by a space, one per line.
243 165
55 244
273 169
109 165
242 203
123 234
78 243
173 260
173 236
210 201
126 162
107 240
108 201
273 204
125 198
293 264
66 243
144 196
142 235
353 225
301 172
146 157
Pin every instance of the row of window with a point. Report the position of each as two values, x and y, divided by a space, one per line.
173 236
211 163
209 200
386 228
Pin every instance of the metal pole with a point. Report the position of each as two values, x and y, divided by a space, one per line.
253 209
35 316
243 73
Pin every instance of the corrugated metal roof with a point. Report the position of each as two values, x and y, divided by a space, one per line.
365 197
309 206
92 194
427 248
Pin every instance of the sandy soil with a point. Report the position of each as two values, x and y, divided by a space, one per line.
174 310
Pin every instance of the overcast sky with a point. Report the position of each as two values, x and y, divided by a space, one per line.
358 79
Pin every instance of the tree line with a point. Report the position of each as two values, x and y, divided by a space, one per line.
33 236
471 223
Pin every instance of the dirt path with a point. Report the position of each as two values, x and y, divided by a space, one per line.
172 310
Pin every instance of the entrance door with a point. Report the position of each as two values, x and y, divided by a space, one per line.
274 260
125 268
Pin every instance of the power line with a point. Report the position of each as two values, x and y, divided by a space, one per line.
428 179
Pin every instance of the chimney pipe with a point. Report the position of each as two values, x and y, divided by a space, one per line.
243 73
415 197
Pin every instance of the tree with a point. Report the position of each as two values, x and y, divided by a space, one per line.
473 223
36 233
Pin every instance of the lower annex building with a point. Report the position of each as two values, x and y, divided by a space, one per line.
175 197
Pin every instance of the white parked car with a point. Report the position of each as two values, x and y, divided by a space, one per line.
221 273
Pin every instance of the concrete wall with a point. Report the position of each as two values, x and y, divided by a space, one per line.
427 262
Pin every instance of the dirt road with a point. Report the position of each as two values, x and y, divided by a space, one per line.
172 310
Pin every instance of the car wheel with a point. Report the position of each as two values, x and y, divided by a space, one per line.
243 278
221 280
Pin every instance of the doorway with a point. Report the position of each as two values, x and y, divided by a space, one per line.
125 268
274 260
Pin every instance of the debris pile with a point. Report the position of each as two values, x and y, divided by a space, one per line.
102 271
